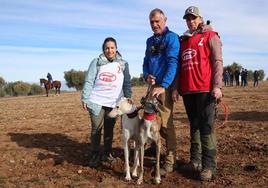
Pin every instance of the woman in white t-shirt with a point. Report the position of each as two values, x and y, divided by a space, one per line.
106 81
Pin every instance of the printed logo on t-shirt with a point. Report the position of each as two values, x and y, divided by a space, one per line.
188 54
107 77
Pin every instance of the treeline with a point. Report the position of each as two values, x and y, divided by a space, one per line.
75 79
19 88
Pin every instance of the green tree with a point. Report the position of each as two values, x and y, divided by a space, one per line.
250 75
74 79
262 74
232 67
36 90
9 88
21 88
2 84
138 81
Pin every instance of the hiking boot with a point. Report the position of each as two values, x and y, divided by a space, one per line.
192 166
206 175
107 157
167 168
94 160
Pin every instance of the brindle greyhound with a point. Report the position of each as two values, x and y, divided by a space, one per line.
150 130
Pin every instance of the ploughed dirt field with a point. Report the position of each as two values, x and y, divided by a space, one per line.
44 142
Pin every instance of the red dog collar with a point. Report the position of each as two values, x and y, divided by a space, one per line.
149 117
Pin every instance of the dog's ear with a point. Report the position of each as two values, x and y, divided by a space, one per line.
159 101
129 101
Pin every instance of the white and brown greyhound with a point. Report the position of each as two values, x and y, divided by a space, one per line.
131 122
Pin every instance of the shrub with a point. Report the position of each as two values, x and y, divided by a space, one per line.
36 90
2 82
74 79
9 89
21 88
2 92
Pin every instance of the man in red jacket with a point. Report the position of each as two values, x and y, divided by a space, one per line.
199 81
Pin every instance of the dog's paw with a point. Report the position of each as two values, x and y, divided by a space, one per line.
134 173
139 181
128 178
157 180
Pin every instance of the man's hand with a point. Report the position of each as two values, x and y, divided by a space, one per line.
150 79
157 91
216 92
175 95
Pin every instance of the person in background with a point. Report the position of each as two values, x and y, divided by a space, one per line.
106 81
237 74
49 77
256 78
231 77
226 78
159 69
246 78
199 81
242 74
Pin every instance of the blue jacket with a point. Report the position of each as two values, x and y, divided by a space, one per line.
91 76
161 57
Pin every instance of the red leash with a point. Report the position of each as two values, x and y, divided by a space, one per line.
225 108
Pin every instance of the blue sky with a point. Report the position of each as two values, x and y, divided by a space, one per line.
40 36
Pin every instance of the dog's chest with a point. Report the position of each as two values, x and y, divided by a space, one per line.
150 129
130 125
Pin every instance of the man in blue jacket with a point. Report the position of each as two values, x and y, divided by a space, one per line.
159 69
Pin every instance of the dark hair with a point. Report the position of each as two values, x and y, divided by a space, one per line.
108 39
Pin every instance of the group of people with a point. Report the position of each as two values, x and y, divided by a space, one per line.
229 77
189 65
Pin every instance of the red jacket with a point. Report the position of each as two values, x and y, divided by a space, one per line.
197 73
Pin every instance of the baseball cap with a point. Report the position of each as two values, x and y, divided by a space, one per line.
193 11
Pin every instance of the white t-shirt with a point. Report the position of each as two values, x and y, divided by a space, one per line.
107 89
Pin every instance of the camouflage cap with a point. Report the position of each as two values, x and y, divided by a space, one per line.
193 11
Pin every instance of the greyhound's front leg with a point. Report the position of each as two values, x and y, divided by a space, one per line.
136 160
140 180
126 154
158 151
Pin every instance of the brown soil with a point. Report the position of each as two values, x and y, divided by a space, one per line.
44 142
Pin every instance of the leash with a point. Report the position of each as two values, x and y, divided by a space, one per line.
222 105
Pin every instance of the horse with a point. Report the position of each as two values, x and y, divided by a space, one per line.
48 85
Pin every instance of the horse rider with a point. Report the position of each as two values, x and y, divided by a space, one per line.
49 77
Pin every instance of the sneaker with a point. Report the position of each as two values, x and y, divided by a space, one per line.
107 157
94 160
192 166
206 175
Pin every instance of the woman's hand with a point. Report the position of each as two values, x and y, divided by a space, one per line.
84 106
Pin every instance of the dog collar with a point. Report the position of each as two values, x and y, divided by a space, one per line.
133 114
149 117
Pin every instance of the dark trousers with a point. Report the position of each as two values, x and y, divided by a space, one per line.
97 123
256 82
200 109
237 81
